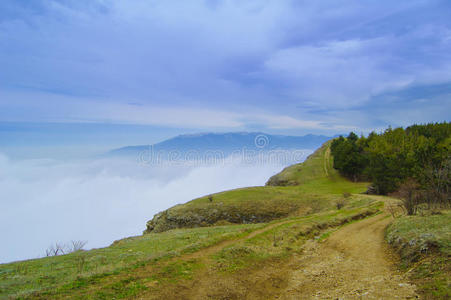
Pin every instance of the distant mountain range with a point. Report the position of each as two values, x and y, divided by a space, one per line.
226 143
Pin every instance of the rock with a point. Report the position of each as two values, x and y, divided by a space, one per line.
371 190
427 236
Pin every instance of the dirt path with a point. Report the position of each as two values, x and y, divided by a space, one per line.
204 254
326 161
353 263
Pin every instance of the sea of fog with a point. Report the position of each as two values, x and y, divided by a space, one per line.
44 201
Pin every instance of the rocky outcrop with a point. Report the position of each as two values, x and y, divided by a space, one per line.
285 178
214 214
277 181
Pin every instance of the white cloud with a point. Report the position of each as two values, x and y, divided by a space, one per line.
336 74
347 73
70 109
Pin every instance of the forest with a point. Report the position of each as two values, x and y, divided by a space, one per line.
414 162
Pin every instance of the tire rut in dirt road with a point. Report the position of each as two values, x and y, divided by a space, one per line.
207 283
205 253
353 263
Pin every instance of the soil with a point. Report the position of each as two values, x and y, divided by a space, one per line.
352 263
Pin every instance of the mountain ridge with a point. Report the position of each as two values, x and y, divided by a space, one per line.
226 142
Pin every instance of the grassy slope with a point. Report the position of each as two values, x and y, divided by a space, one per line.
24 278
319 186
317 175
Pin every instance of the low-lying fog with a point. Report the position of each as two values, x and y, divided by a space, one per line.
102 200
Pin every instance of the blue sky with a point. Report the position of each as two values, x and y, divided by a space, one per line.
292 67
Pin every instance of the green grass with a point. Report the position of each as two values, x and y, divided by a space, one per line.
23 278
317 176
313 184
424 243
434 229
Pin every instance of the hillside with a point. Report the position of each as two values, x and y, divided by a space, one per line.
315 186
316 238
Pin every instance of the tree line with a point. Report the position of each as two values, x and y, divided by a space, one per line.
415 161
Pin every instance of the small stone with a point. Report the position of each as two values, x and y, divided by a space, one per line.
427 236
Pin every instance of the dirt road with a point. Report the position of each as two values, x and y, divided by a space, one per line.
353 263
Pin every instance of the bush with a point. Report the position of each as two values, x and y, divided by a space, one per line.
340 203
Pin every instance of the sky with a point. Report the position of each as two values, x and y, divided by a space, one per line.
170 67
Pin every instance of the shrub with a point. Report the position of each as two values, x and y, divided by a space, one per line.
340 203
346 195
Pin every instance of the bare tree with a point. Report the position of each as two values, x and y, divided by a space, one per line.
438 180
56 249
410 196
394 207
77 245
61 249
